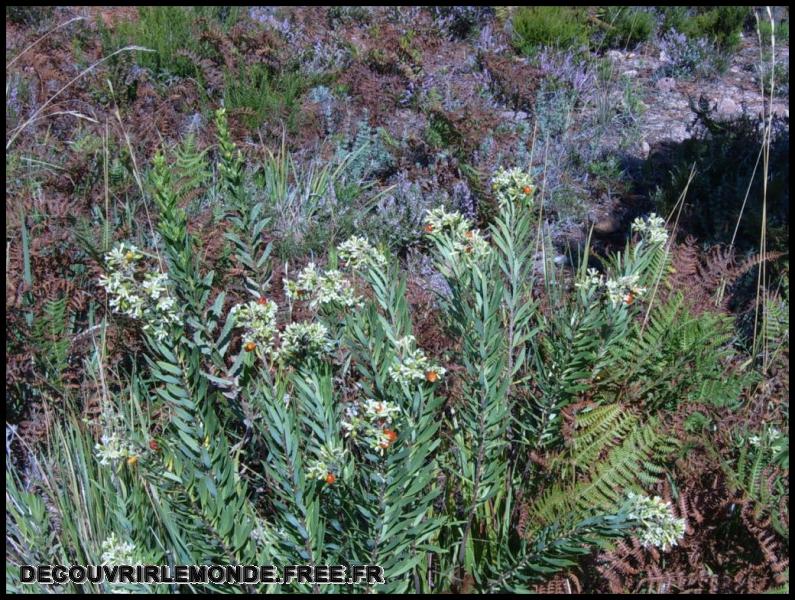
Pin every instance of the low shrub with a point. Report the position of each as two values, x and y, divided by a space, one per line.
173 32
265 94
28 15
462 21
627 27
537 26
766 30
721 25
684 56
725 155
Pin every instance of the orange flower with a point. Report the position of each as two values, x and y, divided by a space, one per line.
330 478
469 235
528 189
391 435
249 347
262 300
629 299
431 376
154 445
429 228
132 460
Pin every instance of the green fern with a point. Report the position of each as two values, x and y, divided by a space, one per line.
191 167
51 342
677 358
630 460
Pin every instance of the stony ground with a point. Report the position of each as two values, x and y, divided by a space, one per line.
668 115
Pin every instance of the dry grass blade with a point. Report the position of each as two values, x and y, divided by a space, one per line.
15 133
50 32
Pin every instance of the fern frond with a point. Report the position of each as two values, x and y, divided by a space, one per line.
631 463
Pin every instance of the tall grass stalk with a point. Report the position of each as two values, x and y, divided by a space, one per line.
761 295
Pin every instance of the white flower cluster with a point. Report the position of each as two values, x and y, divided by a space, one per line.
112 448
370 422
513 186
438 220
322 289
258 317
652 229
465 242
771 436
116 552
330 462
148 300
411 364
658 526
301 341
624 290
592 281
357 252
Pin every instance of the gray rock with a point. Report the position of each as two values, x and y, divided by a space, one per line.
631 74
727 106
666 84
511 115
606 226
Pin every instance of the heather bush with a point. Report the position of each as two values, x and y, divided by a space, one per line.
684 56
397 215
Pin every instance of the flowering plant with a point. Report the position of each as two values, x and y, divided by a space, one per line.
657 526
412 365
259 320
371 423
357 252
330 462
148 300
456 232
329 288
303 341
513 186
652 229
621 291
